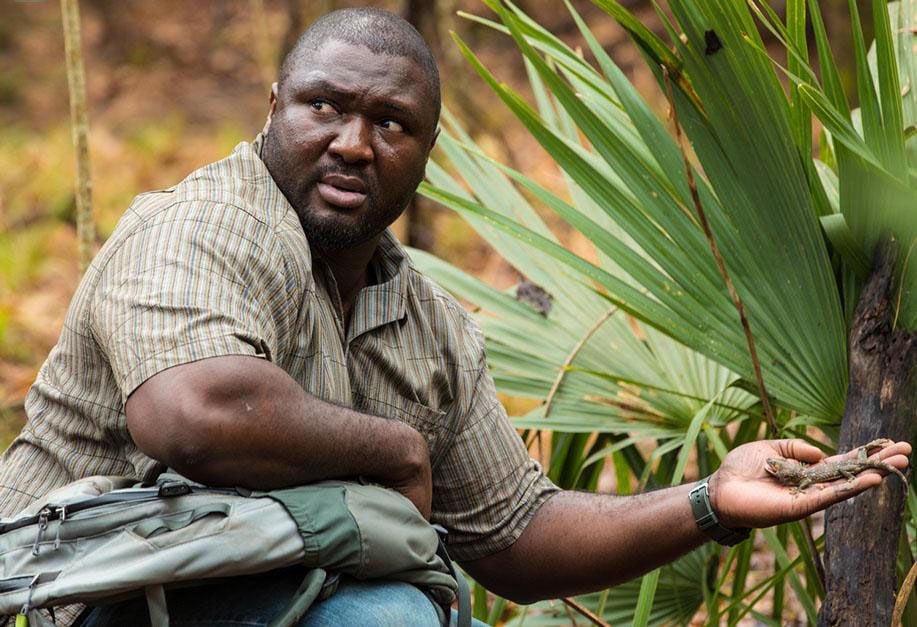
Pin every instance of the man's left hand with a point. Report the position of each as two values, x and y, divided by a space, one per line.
744 494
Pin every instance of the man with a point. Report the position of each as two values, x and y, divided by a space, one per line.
256 325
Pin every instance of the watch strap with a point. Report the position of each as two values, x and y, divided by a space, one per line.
707 520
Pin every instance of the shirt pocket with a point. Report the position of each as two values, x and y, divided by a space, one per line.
432 423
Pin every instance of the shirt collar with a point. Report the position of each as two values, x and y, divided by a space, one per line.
386 300
257 145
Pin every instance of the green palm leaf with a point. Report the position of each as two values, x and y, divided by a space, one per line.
649 204
642 341
679 591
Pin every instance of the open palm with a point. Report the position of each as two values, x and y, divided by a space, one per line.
744 494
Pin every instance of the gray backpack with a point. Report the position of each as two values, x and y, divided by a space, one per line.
97 541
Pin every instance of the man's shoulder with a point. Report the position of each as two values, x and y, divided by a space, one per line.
235 189
231 204
441 308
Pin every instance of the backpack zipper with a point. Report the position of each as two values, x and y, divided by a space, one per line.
42 525
61 516
24 611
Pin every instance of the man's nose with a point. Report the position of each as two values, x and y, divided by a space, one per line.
353 142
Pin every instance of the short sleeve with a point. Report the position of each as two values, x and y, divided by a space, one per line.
487 488
196 280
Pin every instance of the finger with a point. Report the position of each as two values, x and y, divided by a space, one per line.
798 449
822 495
898 461
884 454
845 489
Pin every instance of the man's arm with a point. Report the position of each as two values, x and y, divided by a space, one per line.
243 421
580 542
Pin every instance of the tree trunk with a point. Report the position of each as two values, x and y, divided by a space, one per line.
423 15
862 533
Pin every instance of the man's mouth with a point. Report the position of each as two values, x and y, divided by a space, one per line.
347 192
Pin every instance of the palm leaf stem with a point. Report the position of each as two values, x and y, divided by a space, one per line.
809 538
721 266
741 555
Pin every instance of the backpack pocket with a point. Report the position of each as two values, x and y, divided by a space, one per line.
152 528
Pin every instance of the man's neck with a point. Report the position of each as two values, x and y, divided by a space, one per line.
350 268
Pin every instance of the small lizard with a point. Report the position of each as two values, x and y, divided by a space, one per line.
801 475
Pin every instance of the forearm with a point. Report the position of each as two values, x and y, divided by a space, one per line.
580 542
243 421
585 542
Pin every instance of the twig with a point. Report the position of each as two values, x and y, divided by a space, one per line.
563 371
79 121
721 265
907 258
569 360
816 557
903 594
585 611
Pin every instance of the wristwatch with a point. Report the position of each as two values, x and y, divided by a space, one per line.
706 518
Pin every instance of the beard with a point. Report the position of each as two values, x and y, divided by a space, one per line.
329 232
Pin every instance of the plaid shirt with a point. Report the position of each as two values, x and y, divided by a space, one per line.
219 265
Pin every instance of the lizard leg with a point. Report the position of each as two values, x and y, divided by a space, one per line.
877 443
848 475
863 451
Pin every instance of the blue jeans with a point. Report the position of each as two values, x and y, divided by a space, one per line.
255 600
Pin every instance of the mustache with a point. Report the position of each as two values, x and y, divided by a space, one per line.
342 170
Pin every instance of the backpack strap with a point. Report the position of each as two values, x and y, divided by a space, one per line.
311 588
464 595
156 604
464 599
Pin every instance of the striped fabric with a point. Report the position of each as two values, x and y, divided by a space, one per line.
219 265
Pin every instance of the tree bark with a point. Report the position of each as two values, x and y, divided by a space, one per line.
424 16
862 533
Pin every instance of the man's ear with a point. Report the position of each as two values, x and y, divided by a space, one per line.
433 140
270 112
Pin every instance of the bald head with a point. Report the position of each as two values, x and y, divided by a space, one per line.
381 32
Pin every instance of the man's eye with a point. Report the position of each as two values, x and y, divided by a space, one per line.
321 106
392 125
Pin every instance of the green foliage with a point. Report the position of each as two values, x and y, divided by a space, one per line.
677 597
642 343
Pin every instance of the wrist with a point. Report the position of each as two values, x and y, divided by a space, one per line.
412 454
707 519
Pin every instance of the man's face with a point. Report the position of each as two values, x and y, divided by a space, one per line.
348 141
